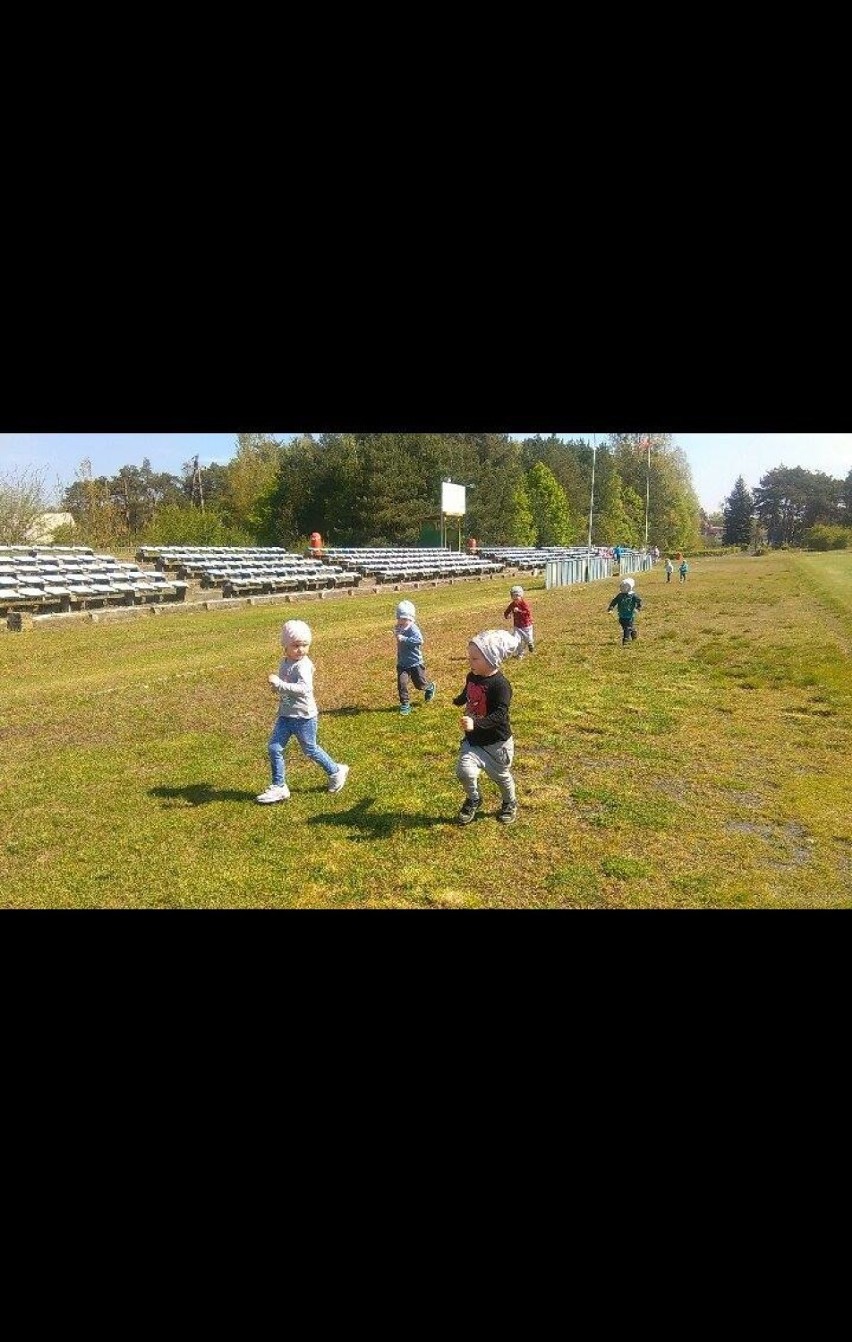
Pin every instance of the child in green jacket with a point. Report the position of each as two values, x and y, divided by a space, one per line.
628 602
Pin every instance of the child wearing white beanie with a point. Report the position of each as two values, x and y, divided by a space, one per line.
410 666
488 743
298 714
522 620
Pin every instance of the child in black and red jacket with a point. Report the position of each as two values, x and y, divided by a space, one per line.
488 743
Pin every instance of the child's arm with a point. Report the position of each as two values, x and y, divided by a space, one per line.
508 611
411 636
299 689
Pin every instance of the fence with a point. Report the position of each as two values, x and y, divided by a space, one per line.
567 569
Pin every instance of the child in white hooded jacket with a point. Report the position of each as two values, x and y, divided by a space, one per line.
298 714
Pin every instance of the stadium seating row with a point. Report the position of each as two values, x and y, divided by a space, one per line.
49 579
400 564
82 592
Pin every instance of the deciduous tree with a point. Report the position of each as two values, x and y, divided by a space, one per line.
23 497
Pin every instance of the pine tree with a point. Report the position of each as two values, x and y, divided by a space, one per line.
737 511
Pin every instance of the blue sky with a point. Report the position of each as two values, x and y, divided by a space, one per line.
715 459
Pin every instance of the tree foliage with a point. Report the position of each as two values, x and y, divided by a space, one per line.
385 488
823 537
738 511
23 498
549 505
790 499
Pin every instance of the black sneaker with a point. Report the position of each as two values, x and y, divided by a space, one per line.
508 812
469 810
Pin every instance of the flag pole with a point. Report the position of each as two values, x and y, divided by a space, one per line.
647 490
592 498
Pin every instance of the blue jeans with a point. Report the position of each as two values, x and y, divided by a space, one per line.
305 732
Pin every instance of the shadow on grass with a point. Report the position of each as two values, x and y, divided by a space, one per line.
354 710
377 824
201 794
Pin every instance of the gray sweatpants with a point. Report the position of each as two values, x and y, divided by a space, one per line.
496 760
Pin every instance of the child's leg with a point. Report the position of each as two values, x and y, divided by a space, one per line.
402 684
497 763
281 733
468 766
418 677
305 732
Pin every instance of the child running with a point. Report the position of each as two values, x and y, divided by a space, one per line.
297 714
628 602
521 619
488 743
410 667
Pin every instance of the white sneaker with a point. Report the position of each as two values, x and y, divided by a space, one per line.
338 781
274 793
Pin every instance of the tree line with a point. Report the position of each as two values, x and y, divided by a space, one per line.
385 489
790 507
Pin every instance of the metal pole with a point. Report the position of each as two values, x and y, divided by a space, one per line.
647 491
592 499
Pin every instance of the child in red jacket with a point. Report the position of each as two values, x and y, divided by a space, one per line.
521 618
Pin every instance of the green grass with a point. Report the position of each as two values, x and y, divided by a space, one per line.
705 766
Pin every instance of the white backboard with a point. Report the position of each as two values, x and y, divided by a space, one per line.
452 499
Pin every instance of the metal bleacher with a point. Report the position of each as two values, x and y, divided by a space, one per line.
50 579
411 564
248 570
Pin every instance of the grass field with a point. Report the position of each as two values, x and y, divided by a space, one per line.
705 766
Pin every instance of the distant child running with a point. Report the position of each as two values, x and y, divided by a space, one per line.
683 570
628 602
521 619
488 743
410 667
297 714
669 570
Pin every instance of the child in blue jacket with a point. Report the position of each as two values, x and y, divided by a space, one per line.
410 667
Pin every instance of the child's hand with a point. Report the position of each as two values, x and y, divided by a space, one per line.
276 682
466 723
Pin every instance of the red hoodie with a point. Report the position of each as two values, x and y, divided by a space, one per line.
520 612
